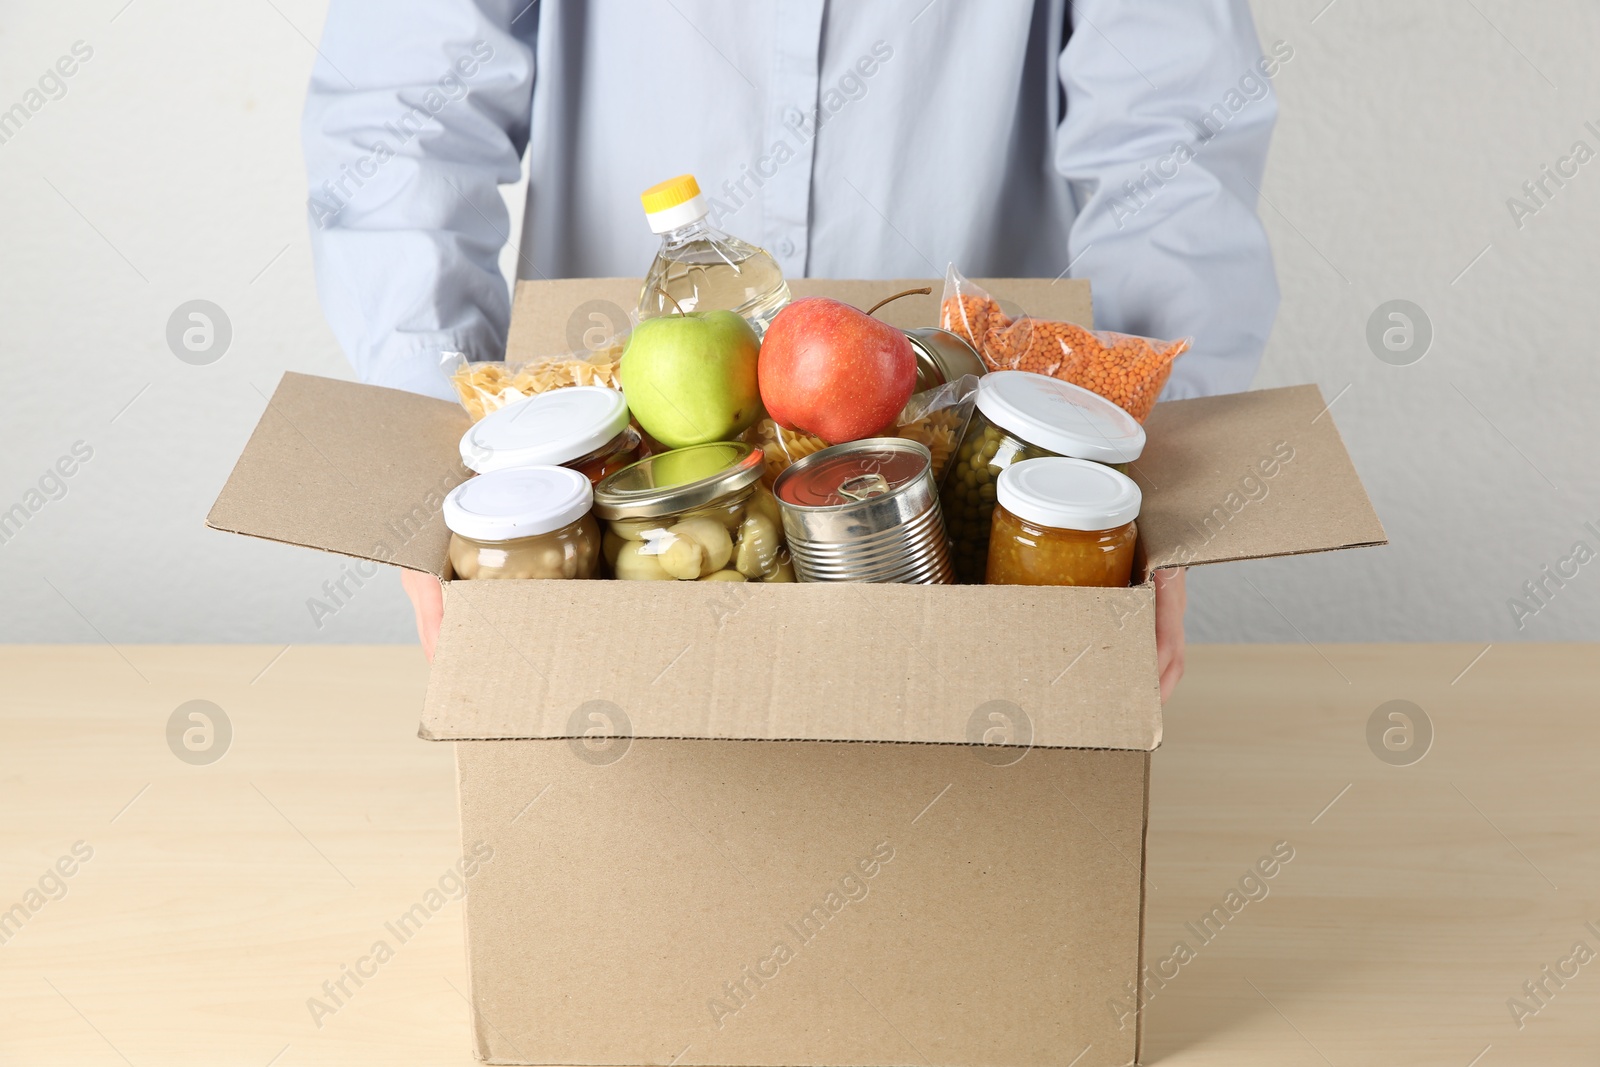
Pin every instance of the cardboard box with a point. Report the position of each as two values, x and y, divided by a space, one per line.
798 824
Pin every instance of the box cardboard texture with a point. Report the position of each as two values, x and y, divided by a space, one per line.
797 824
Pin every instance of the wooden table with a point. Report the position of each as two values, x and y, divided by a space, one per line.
219 898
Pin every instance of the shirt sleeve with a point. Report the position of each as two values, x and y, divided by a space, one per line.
1169 110
417 111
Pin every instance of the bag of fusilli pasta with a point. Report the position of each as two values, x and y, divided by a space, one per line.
937 418
488 385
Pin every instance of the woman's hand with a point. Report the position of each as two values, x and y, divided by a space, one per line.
427 600
1170 600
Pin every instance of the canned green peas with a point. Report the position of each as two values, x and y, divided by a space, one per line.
968 493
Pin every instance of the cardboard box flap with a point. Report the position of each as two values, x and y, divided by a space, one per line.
1248 475
555 315
1005 665
355 469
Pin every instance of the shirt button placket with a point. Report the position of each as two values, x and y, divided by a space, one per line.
797 45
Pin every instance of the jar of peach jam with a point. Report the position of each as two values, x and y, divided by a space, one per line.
1061 521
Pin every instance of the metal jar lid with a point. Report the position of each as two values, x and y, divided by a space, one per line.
680 480
942 357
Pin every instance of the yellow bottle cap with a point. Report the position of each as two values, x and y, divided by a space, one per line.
670 193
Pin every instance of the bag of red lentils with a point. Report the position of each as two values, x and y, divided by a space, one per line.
1129 371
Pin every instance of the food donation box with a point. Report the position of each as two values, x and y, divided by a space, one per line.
799 823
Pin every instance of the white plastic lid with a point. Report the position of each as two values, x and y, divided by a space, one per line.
519 502
1059 416
1068 494
668 219
555 427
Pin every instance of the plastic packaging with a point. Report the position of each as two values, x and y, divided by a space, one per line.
1063 522
700 268
781 447
524 522
936 419
695 513
489 385
1129 371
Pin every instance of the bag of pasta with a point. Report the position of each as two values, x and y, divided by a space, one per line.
1129 371
782 447
936 418
486 386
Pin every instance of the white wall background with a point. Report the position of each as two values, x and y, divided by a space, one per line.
170 171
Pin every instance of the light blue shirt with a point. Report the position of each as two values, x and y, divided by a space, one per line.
866 140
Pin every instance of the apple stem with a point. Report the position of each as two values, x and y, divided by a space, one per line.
679 307
925 291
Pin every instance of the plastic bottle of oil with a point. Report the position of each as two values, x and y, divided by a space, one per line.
700 268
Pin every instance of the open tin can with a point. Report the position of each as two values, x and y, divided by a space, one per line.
865 511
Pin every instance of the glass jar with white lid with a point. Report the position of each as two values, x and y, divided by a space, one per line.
1019 415
1060 521
584 427
523 522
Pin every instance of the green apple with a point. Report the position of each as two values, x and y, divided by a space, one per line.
690 379
684 465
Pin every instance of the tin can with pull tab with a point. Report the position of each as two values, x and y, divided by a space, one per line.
865 511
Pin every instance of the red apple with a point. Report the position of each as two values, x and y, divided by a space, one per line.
832 370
